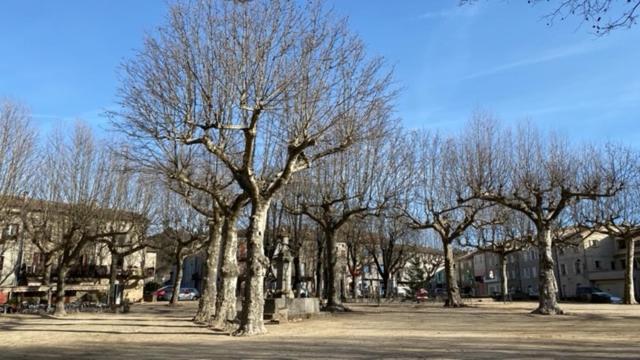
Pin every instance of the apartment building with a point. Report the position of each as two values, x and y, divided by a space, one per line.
596 260
25 264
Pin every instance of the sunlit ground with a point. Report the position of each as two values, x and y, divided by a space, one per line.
482 331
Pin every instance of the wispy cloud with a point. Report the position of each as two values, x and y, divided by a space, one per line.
452 12
547 56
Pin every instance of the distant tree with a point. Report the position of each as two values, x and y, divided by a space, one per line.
619 217
416 274
340 188
81 200
390 242
540 176
501 231
441 199
17 150
184 233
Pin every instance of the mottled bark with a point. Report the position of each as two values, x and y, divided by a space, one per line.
207 302
504 281
453 292
334 301
629 291
252 316
226 313
60 290
177 281
547 287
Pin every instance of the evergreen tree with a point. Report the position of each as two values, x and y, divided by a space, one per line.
417 276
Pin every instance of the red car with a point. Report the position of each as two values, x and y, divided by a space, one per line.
421 295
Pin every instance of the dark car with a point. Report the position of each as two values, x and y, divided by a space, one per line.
605 297
595 295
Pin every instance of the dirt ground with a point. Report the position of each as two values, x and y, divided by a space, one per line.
483 331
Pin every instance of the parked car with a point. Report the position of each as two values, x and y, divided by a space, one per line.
595 295
421 295
605 297
166 292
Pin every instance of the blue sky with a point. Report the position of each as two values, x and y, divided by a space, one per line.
61 58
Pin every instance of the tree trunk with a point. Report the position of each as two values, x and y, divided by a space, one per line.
207 302
354 287
453 292
386 279
113 274
334 302
547 287
177 281
252 316
629 291
60 287
504 281
297 278
46 281
319 272
226 302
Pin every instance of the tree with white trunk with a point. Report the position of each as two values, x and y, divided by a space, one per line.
267 87
619 217
539 175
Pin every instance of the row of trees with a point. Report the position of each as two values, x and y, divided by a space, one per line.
65 194
230 101
251 113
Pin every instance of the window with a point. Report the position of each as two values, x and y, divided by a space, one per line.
623 263
597 263
563 269
10 231
613 265
578 267
561 251
534 271
622 244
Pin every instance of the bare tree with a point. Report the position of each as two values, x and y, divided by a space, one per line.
139 193
17 150
183 235
540 176
390 246
282 84
357 257
604 16
501 231
338 189
441 199
80 201
618 217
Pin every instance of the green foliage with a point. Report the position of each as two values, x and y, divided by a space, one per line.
417 275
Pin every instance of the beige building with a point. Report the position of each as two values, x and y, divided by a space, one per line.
596 260
23 265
